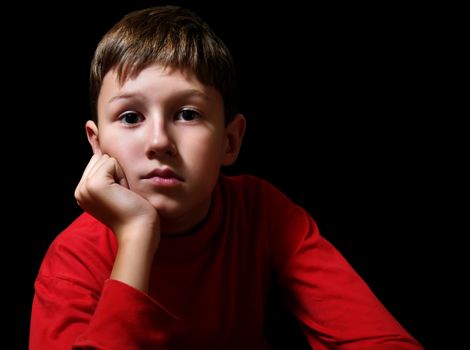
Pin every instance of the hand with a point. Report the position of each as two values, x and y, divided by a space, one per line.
103 192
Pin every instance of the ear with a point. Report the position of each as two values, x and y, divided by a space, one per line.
92 134
233 139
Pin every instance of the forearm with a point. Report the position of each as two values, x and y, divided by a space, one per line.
134 258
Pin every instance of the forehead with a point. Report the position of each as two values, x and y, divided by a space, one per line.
161 80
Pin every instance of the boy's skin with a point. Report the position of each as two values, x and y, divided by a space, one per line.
158 147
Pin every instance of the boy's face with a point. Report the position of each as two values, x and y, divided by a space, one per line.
167 132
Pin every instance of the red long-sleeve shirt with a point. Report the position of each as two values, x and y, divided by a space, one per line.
208 289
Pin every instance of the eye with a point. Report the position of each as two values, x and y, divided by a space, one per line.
187 115
130 117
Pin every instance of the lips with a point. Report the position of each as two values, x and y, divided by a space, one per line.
165 173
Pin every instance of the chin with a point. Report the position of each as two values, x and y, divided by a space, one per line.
166 208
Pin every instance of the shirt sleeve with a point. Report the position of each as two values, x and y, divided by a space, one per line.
334 306
66 315
77 306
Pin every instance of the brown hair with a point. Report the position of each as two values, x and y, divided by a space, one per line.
170 36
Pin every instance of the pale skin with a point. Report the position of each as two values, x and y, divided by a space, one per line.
158 147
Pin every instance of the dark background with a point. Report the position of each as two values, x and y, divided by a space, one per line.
343 116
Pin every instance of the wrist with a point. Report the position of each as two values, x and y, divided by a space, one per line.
134 259
144 231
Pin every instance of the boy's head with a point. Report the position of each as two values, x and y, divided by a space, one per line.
168 36
162 94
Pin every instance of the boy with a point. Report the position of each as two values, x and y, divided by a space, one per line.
170 254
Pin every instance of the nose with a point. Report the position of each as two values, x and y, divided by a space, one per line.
160 141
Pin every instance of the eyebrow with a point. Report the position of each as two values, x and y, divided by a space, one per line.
180 94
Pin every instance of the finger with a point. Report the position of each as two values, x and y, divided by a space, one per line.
96 166
93 160
111 169
107 171
102 171
90 169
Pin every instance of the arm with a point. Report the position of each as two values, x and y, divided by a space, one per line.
334 306
104 193
76 306
67 314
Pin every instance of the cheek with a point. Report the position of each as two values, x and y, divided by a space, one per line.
204 147
124 152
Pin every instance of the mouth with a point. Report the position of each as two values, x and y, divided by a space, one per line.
163 177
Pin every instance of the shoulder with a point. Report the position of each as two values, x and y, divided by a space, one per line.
85 232
86 247
285 225
262 202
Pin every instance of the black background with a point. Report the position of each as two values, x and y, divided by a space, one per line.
341 106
